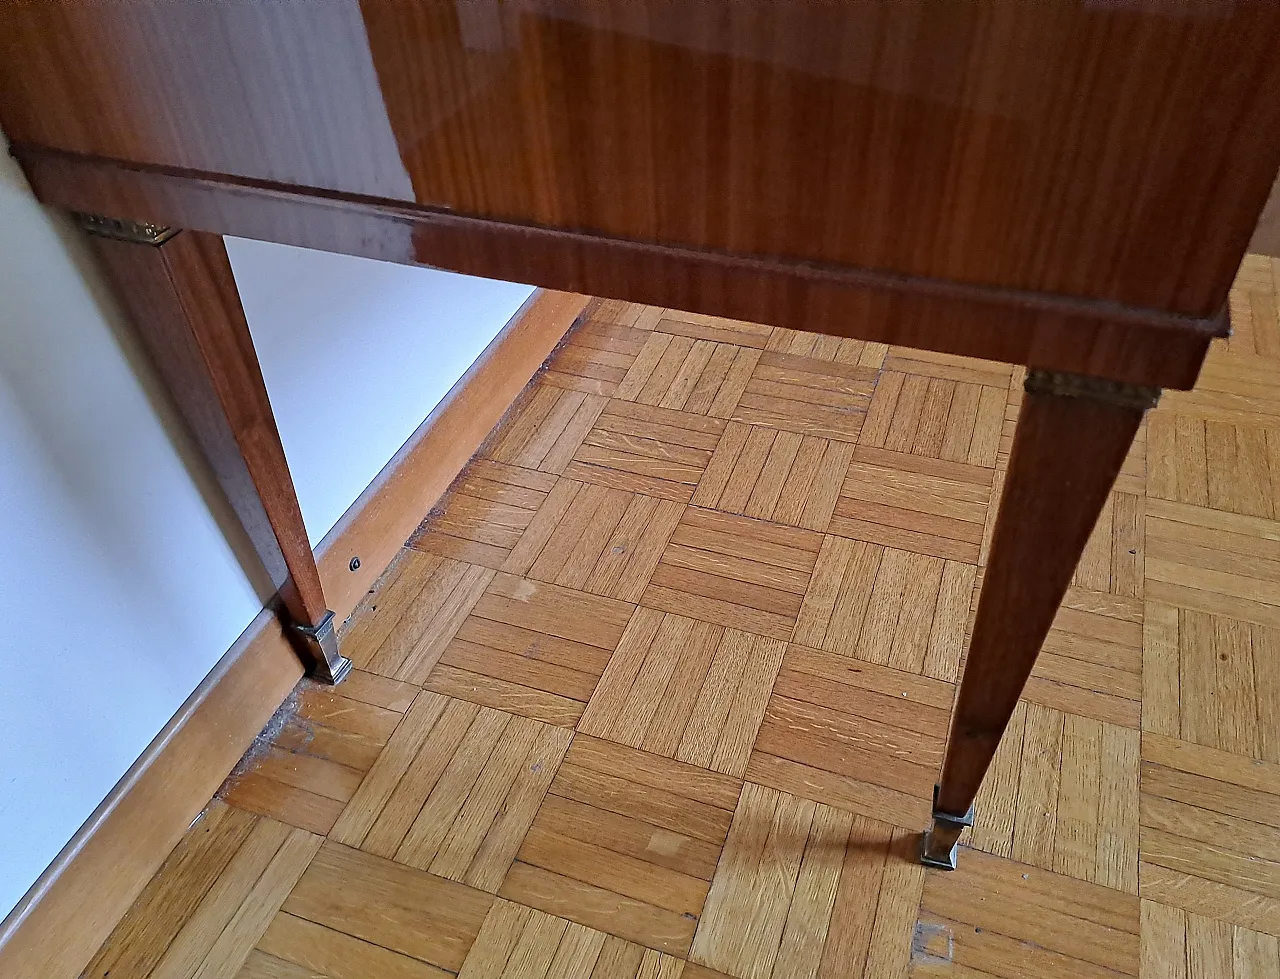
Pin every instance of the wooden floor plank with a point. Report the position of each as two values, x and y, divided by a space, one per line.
646 882
399 908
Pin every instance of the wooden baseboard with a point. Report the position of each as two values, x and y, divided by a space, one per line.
381 520
67 914
70 910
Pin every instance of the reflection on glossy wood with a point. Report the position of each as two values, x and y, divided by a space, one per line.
1075 149
1136 345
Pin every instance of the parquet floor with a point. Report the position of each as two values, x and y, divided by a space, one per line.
662 688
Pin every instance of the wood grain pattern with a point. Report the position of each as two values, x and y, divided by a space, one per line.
455 791
1062 795
660 452
644 881
484 514
666 149
1209 833
784 476
734 571
597 356
531 648
1002 918
388 904
790 895
852 734
601 540
685 689
516 942
929 507
1179 945
182 301
322 745
544 429
1058 482
888 606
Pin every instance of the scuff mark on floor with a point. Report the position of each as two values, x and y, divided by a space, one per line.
932 944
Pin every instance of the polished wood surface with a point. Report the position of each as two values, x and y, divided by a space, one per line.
1059 333
182 299
1138 758
1068 449
1107 151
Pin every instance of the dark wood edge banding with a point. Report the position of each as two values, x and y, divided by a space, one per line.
864 278
1082 336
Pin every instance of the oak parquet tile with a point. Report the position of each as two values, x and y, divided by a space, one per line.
1210 833
432 607
1063 796
853 735
734 571
517 942
295 947
1091 661
484 513
402 909
779 476
938 410
819 346
805 889
1211 680
694 375
455 791
544 428
139 940
620 313
1255 334
1177 944
531 648
806 396
319 750
362 633
601 540
210 901
892 607
594 357
937 509
655 451
685 689
698 326
1005 918
649 893
1213 561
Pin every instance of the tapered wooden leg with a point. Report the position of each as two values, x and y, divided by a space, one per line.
1073 435
179 292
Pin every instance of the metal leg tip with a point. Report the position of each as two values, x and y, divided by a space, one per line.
940 858
339 671
326 665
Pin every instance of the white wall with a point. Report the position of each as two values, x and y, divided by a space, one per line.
356 353
117 591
